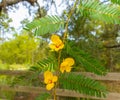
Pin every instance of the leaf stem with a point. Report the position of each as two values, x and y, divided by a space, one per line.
64 38
68 19
54 92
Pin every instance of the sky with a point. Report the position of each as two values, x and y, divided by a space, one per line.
22 13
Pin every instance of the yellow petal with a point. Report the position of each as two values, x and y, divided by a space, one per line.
48 74
46 81
58 42
70 61
68 69
55 78
56 47
55 38
61 46
62 69
47 77
52 46
49 86
64 64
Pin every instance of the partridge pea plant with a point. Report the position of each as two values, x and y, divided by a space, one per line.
66 65
66 55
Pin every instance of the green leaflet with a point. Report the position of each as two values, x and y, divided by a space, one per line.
90 63
82 84
116 1
107 13
47 64
47 24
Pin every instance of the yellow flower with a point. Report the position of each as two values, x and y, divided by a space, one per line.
57 43
66 65
49 80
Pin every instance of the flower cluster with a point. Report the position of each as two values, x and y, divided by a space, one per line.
49 80
66 65
56 44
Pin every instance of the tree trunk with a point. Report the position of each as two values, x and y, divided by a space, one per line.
12 2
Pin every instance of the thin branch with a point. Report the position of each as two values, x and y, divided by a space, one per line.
113 46
14 72
39 9
12 2
68 19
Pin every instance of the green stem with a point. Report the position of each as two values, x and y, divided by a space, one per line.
59 56
67 22
55 98
64 38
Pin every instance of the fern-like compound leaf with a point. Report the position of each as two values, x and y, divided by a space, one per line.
116 1
98 11
82 84
47 64
47 24
90 63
